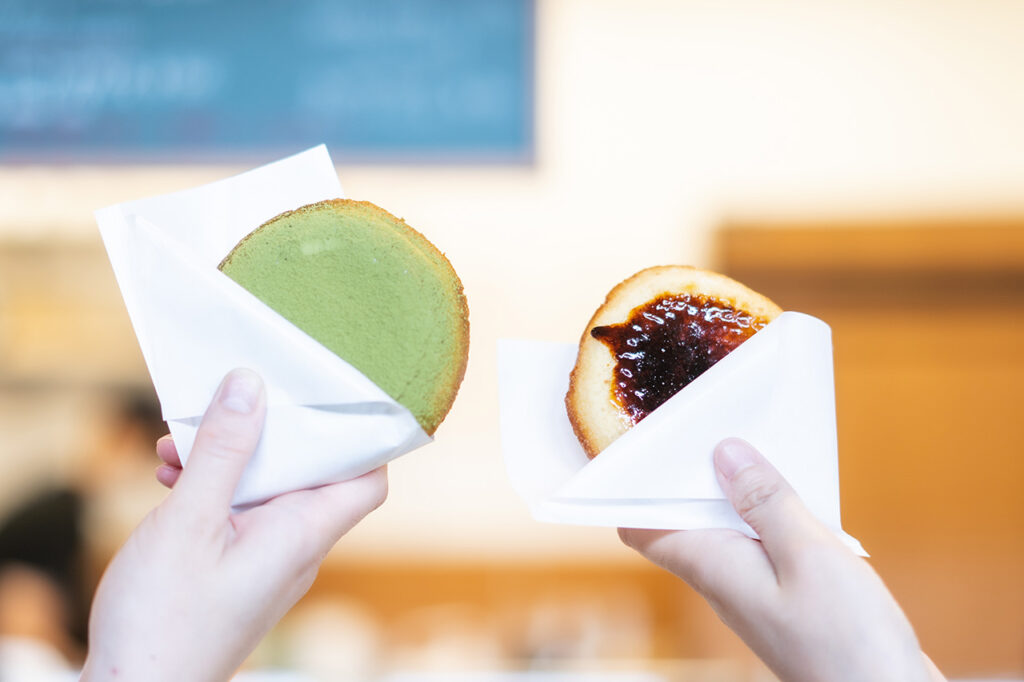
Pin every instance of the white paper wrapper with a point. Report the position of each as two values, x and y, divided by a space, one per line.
326 421
775 391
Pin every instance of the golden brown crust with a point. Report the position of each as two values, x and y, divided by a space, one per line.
463 343
462 336
595 418
341 204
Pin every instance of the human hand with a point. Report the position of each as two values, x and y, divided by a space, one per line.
196 587
802 601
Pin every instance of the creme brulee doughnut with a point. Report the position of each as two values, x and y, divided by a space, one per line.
655 333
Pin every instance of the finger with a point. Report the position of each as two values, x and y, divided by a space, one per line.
167 475
168 452
225 441
343 505
724 566
317 518
764 499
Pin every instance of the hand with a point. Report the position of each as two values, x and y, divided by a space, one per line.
810 608
196 587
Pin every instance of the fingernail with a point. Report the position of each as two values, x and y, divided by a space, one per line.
241 391
734 455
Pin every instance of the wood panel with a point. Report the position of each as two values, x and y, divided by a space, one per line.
928 327
541 613
62 321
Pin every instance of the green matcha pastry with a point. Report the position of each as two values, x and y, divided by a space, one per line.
370 288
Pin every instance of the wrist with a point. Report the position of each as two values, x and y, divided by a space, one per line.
149 667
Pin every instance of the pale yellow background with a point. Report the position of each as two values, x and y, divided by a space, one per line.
656 120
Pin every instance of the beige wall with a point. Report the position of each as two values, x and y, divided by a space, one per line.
655 119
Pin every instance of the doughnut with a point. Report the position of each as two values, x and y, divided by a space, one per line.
655 333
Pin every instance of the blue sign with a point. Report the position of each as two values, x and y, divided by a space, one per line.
207 80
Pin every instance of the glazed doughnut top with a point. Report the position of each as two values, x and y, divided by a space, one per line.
667 343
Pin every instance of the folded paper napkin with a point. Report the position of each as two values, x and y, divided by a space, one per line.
326 421
775 391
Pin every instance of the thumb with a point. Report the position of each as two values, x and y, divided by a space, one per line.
226 439
764 499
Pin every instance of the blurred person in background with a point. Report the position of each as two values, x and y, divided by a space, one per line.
52 540
43 602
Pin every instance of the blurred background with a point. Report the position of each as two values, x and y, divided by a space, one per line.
863 162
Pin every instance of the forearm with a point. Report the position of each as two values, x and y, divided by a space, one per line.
123 666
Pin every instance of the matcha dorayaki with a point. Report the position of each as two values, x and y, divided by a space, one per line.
371 289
